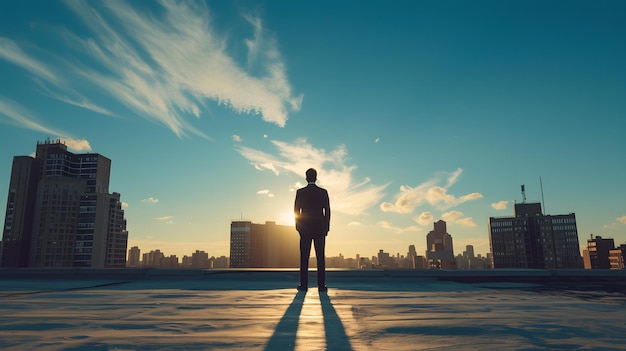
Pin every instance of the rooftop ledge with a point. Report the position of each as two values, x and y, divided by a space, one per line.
539 276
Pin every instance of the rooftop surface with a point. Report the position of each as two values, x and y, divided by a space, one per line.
160 309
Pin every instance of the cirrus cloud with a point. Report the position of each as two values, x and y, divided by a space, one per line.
164 66
151 200
622 219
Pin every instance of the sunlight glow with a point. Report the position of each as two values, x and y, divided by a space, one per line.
311 333
286 218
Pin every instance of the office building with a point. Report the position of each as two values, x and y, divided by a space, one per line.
531 239
439 250
134 257
616 257
264 245
598 250
60 212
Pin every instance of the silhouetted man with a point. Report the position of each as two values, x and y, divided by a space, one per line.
312 213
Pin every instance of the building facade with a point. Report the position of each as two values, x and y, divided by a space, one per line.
439 250
598 250
134 257
616 257
60 213
534 240
263 245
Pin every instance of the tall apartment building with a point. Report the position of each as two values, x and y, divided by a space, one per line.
439 250
60 212
263 245
598 249
617 257
134 257
534 240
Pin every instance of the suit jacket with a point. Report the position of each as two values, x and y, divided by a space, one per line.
312 210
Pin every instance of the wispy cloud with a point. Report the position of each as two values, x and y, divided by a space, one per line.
500 205
429 192
236 138
622 219
151 200
265 192
389 226
21 117
11 52
166 219
164 66
347 195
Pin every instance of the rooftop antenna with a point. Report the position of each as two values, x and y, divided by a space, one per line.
523 194
543 203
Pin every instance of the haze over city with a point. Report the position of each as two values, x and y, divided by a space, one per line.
411 111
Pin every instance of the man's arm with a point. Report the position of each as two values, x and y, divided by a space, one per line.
327 211
296 210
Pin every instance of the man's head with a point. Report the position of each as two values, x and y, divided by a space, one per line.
311 175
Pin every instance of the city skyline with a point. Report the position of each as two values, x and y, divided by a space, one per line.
412 112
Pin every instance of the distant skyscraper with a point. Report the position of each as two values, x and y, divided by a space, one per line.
263 245
386 261
617 256
134 257
200 259
439 250
153 258
598 249
60 213
534 240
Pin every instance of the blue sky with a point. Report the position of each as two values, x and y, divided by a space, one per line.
412 111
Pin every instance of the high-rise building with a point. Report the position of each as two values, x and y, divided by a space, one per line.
598 250
263 245
439 250
134 257
60 212
386 261
617 256
153 258
534 240
200 259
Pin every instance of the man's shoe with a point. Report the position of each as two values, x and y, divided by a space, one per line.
322 288
302 288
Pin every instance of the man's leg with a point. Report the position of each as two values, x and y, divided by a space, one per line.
320 244
305 252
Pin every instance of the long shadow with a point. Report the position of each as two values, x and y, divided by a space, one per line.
336 338
284 337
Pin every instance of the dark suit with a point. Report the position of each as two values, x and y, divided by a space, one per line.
312 213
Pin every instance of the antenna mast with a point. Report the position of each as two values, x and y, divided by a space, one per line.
543 203
523 194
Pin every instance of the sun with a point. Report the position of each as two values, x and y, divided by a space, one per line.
286 218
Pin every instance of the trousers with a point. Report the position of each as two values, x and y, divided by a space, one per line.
319 241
